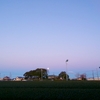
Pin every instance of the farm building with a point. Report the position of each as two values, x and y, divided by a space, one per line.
6 78
19 78
52 76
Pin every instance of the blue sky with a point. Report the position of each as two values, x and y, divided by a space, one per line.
44 33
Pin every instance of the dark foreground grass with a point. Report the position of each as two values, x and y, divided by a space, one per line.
49 90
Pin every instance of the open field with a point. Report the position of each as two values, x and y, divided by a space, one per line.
50 90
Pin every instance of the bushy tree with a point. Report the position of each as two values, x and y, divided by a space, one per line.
63 75
39 72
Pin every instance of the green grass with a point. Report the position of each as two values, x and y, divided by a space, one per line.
50 89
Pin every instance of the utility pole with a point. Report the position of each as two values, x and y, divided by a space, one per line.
93 74
10 75
41 74
97 74
66 70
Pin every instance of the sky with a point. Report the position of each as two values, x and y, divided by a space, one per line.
44 33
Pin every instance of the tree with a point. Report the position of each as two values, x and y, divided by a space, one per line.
83 76
38 73
62 75
29 74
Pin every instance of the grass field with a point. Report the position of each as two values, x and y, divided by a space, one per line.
48 90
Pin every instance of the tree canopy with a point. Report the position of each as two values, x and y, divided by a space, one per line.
63 75
38 73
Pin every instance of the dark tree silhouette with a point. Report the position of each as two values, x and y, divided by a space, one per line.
63 75
38 73
83 76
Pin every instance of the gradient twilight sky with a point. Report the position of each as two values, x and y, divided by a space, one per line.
44 33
